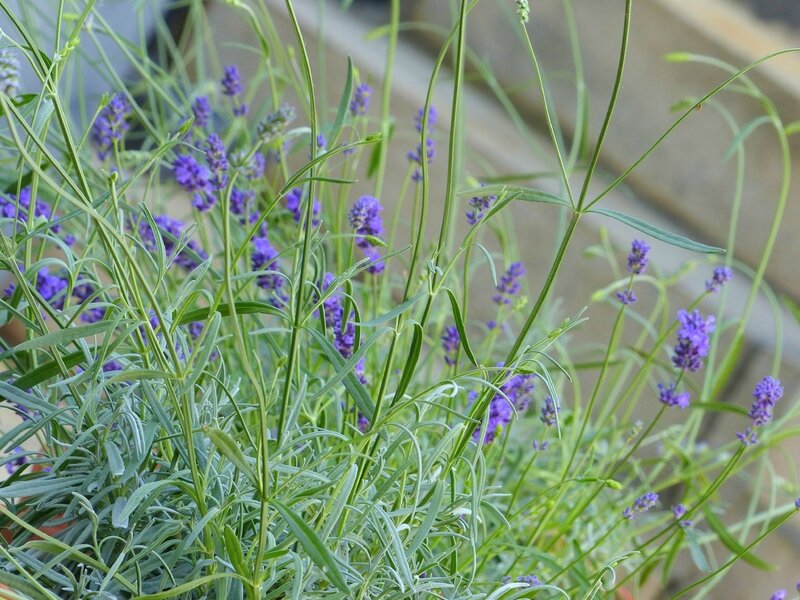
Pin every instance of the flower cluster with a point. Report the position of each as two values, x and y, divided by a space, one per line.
417 155
637 258
693 340
232 87
679 510
641 505
479 206
516 395
359 105
294 205
668 395
766 394
719 277
549 414
264 257
365 219
18 207
509 284
110 125
201 109
9 73
451 342
170 232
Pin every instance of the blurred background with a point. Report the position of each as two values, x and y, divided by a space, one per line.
686 186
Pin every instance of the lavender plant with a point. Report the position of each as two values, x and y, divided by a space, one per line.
248 372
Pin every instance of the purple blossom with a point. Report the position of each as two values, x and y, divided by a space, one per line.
531 580
110 125
171 232
51 287
668 395
637 259
232 86
201 109
112 366
217 158
365 218
679 510
693 340
322 143
540 446
13 207
240 200
432 117
363 423
9 73
295 206
190 174
797 506
359 105
720 276
509 284
479 206
451 342
549 414
376 266
627 297
642 504
748 437
264 258
84 290
16 463
344 329
778 595
416 156
516 394
766 394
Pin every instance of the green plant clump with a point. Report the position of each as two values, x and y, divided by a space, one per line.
248 369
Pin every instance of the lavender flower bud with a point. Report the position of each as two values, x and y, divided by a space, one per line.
9 73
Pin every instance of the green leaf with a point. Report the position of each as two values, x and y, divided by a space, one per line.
396 311
115 462
519 193
660 234
317 551
744 133
411 362
356 389
40 485
64 336
344 103
242 308
462 330
375 157
23 586
230 449
234 547
731 544
188 586
696 551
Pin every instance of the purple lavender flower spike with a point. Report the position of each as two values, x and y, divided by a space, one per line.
190 174
295 206
719 277
778 595
627 513
110 125
217 158
693 340
451 342
18 207
264 258
517 394
365 219
766 394
797 506
232 86
509 284
679 510
359 105
531 580
17 462
645 502
170 231
201 109
432 117
416 156
479 206
240 200
549 414
51 287
363 423
82 291
668 395
748 437
627 297
637 259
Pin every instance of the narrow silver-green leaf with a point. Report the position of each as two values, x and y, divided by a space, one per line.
660 234
228 447
518 192
460 325
317 551
64 336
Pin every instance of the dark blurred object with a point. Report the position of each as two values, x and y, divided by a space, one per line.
784 11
